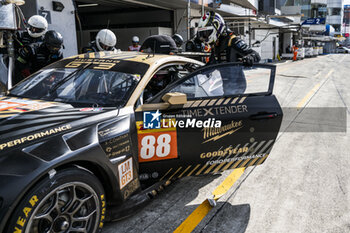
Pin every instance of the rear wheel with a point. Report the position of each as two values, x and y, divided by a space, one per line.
71 201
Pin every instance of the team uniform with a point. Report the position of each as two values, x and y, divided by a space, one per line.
225 45
133 48
23 38
91 48
35 56
32 58
231 48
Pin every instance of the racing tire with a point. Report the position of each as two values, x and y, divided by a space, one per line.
73 200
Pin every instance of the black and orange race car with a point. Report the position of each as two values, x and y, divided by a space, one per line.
92 137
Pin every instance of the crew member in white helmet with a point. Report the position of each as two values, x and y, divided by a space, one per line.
36 29
135 44
105 41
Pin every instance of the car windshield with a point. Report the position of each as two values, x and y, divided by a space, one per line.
79 87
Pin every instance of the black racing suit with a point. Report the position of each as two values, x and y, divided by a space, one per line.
231 48
22 38
194 45
91 48
32 58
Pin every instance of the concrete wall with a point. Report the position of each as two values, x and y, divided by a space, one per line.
180 23
101 20
318 1
335 3
267 45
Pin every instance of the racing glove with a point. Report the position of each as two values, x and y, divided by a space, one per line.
248 60
25 53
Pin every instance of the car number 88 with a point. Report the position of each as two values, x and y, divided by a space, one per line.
149 148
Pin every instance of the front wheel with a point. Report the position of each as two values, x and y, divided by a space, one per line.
71 201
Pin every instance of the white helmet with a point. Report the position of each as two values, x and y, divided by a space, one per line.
210 27
106 40
37 26
135 39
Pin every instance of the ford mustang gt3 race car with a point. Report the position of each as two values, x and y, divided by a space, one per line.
92 137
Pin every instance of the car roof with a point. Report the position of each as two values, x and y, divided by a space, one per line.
146 58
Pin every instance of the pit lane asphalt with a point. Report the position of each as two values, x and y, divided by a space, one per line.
303 186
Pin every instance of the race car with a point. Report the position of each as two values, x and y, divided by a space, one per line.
92 137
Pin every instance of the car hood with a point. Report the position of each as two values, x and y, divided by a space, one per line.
23 121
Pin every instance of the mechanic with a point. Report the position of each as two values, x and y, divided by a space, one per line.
35 56
162 44
225 45
135 44
37 27
194 45
178 41
105 41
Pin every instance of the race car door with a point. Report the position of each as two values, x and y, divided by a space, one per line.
230 119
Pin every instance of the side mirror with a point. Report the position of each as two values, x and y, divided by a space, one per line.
175 98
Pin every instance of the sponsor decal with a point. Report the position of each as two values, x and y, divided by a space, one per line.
22 219
91 109
107 132
214 111
224 152
125 173
116 140
103 211
228 160
4 105
36 106
131 188
216 133
112 154
100 64
156 144
13 106
157 135
192 123
35 136
117 146
151 120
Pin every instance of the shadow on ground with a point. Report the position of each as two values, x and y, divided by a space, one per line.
167 211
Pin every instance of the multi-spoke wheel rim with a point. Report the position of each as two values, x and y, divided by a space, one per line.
71 207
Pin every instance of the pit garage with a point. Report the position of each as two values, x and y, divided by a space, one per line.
126 18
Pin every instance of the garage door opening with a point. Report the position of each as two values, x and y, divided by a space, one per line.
123 18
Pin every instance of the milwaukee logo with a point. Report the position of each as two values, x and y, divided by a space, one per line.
214 134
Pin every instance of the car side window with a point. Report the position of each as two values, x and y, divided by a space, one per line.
166 76
222 81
